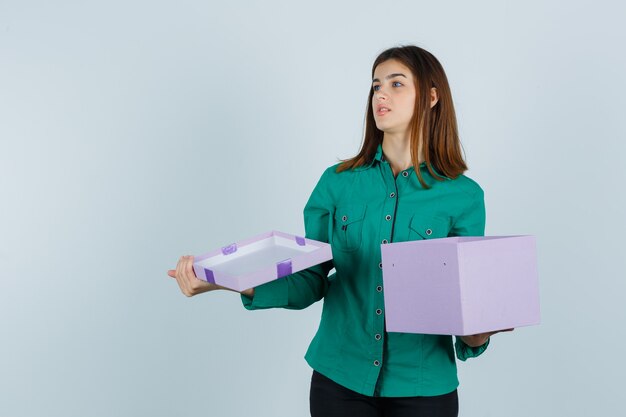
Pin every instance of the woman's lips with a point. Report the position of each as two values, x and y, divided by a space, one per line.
381 111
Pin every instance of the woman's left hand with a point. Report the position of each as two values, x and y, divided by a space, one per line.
480 339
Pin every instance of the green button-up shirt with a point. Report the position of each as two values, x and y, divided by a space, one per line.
356 211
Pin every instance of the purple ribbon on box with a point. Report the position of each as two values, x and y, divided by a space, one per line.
300 241
283 268
227 250
210 278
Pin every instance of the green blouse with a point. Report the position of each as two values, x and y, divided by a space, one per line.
356 211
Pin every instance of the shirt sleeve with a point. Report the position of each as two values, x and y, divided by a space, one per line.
471 222
464 351
303 288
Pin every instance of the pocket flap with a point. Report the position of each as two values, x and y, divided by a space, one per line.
344 215
429 227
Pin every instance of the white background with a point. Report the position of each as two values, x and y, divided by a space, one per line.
132 133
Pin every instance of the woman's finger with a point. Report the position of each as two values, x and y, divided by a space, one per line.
180 276
185 269
188 274
190 267
499 331
177 273
194 282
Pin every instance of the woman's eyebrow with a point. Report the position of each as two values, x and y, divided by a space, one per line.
390 76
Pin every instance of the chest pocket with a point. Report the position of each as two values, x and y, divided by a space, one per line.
348 227
426 227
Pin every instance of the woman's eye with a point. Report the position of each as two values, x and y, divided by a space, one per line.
398 83
376 87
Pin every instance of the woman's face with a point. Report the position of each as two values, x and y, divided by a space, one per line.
393 100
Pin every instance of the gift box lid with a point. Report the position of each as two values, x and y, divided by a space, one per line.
260 259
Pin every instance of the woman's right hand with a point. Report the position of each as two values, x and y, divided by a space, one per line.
189 284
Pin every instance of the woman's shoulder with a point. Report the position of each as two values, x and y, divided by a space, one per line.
467 185
333 168
336 182
330 186
332 172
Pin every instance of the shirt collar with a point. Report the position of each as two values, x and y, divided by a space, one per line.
379 154
380 157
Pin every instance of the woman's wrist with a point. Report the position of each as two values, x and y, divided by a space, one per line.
248 293
475 340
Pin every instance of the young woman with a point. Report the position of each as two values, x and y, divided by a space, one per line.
406 183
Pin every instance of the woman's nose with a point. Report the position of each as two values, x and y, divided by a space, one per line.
380 94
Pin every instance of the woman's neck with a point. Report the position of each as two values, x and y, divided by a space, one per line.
397 150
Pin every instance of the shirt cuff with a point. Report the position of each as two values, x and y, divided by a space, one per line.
269 295
464 351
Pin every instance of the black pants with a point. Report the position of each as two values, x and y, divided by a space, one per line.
329 399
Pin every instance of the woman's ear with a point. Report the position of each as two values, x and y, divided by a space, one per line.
434 97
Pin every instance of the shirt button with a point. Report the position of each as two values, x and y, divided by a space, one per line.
405 174
376 363
429 232
377 337
379 312
379 288
385 241
380 265
388 217
392 195
344 218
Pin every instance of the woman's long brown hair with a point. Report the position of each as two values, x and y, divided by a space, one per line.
437 125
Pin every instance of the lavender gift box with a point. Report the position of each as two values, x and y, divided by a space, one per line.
260 259
460 285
